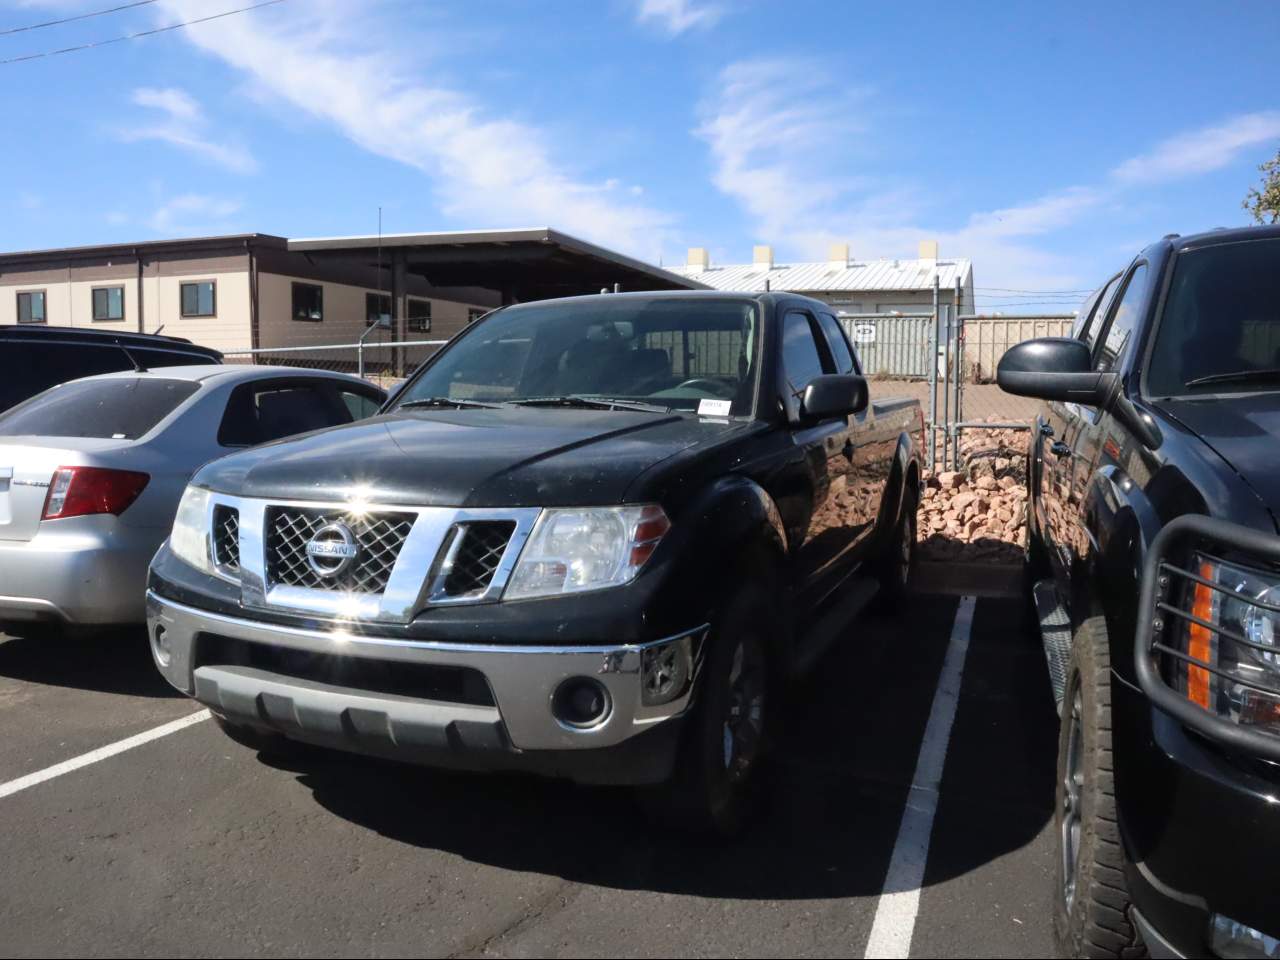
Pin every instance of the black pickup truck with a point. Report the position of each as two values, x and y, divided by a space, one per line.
590 538
1155 493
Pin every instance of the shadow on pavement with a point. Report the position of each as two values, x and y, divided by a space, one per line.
834 794
115 661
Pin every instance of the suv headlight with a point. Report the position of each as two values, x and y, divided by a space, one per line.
1241 650
189 539
586 548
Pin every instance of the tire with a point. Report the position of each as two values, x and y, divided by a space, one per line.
713 792
899 558
1091 898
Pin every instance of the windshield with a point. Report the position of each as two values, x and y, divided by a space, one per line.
1220 331
114 409
667 353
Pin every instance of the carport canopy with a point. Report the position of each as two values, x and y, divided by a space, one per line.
516 265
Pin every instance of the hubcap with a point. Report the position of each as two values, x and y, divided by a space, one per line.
1072 789
744 714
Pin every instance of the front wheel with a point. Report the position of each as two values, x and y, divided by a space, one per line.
1091 914
713 790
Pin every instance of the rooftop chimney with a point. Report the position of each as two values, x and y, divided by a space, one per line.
698 259
762 256
928 249
838 256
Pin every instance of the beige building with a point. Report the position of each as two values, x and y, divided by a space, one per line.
248 291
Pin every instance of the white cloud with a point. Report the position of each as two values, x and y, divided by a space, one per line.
1199 151
485 170
190 214
183 125
677 16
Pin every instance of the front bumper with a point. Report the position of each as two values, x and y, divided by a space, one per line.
515 729
85 571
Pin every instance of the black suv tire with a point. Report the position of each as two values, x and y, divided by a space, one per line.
1091 907
714 790
899 557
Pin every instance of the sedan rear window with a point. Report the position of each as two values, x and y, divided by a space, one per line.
119 409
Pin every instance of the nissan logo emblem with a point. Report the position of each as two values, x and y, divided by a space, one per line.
332 550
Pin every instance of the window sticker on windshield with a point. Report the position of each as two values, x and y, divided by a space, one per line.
714 408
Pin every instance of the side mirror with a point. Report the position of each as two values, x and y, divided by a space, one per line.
1054 368
834 395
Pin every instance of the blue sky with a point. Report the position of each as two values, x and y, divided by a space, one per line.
1046 142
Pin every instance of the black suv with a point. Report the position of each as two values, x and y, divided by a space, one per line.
1155 490
34 357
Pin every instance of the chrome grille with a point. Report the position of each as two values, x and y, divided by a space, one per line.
226 538
476 555
380 537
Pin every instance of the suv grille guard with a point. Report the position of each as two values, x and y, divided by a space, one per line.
422 576
1161 579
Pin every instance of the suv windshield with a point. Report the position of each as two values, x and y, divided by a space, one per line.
114 409
1220 331
666 353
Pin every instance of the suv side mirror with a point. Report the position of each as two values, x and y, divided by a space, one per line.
834 395
1054 368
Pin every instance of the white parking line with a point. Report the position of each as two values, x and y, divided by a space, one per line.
102 753
895 918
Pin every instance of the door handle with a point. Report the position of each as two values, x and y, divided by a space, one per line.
1060 449
848 449
1046 430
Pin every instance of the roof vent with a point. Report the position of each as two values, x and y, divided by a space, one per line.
698 260
928 249
762 256
838 256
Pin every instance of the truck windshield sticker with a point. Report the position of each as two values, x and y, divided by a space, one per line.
714 408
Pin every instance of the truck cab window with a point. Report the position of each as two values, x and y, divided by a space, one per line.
1124 323
801 359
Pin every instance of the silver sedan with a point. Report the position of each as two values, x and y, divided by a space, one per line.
91 472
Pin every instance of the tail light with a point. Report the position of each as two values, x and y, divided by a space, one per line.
81 491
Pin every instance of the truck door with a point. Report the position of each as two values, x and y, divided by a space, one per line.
823 523
1057 432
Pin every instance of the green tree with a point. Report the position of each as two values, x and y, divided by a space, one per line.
1264 205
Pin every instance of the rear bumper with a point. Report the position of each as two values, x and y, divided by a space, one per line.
515 728
85 571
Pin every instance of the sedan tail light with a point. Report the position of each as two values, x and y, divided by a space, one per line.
81 491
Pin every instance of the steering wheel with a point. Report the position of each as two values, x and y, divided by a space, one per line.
709 385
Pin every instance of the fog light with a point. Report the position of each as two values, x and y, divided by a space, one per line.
580 702
160 648
1227 938
666 671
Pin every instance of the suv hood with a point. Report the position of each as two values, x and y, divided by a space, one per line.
512 456
1245 431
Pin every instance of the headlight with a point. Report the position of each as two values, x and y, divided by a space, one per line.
572 550
189 540
1241 679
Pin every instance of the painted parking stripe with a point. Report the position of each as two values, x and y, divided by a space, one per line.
102 753
895 918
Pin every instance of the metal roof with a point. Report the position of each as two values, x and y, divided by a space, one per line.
866 275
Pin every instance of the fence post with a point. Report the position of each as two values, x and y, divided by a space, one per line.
959 370
946 392
360 358
933 377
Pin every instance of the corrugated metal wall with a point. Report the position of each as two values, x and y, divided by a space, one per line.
891 346
987 338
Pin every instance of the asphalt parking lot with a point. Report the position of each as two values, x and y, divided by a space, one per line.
189 844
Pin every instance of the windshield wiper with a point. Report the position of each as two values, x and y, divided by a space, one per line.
454 402
1270 375
590 402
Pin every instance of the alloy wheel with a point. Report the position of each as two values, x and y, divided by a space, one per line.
1072 792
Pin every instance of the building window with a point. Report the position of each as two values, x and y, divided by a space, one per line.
108 303
199 299
377 309
308 302
419 315
31 307
475 313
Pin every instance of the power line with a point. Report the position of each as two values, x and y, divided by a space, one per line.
142 33
79 16
1016 290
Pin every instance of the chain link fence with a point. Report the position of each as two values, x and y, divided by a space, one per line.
386 363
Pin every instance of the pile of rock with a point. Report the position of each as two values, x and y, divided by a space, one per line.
977 513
